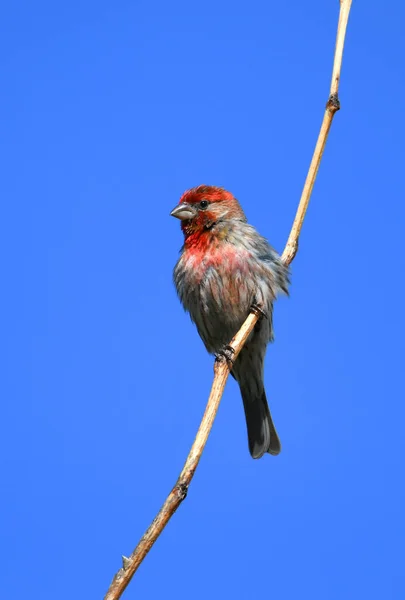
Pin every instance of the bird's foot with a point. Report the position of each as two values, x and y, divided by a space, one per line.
225 353
258 311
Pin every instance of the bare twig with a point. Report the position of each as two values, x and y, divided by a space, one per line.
332 106
221 369
179 492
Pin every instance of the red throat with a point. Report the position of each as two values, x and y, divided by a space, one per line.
222 206
198 241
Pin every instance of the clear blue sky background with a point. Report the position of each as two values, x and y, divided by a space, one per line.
109 112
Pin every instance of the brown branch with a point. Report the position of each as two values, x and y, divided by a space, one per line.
179 492
221 369
332 106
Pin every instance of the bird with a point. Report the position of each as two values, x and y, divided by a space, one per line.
225 268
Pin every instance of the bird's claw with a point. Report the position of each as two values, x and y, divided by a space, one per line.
226 353
258 311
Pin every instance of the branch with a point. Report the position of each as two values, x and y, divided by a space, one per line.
179 492
332 106
221 369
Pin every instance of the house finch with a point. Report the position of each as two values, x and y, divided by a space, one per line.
224 269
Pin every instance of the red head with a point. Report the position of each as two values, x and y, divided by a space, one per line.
203 206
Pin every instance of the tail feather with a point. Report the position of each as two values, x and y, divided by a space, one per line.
262 434
248 372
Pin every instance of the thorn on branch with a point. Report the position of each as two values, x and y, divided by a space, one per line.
181 491
125 562
333 104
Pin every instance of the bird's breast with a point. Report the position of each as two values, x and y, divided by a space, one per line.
218 288
220 279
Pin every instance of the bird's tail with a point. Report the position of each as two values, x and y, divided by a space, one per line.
262 434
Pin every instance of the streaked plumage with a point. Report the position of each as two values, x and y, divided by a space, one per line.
226 266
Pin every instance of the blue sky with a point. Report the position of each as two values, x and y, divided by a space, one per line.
109 112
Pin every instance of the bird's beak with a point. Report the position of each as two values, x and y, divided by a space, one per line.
184 212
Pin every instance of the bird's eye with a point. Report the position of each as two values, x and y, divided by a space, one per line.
204 204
